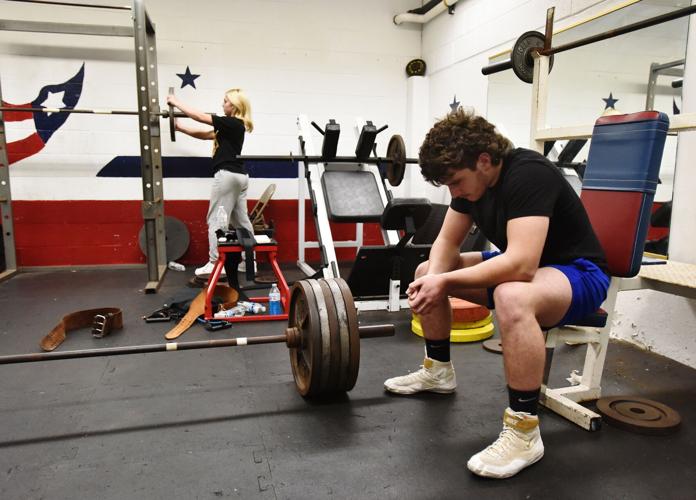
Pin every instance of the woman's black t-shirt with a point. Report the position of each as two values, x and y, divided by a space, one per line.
530 185
229 138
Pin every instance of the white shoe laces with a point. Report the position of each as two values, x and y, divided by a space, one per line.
504 443
414 376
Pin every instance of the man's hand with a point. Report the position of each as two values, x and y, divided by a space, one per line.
425 292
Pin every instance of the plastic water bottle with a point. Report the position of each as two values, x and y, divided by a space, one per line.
230 313
274 306
252 307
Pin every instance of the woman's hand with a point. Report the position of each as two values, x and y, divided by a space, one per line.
172 101
426 291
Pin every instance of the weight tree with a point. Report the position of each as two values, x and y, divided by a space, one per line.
143 33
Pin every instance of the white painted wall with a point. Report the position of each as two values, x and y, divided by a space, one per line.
457 47
324 59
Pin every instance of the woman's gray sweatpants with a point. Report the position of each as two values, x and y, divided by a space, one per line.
230 191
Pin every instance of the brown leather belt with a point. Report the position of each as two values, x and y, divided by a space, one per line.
229 298
102 321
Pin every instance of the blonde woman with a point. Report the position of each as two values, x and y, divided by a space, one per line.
231 179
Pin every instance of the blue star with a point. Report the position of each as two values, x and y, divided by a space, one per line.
187 78
611 102
454 105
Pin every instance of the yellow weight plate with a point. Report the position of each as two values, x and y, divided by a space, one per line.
461 335
463 325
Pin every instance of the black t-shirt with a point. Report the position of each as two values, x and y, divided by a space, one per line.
530 185
229 138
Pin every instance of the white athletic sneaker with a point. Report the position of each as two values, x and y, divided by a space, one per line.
518 446
433 376
208 269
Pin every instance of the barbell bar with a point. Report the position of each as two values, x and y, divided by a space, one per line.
322 335
522 60
395 160
163 113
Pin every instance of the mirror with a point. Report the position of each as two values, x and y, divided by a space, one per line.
632 72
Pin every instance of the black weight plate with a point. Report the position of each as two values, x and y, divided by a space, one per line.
176 238
639 415
521 57
396 152
493 345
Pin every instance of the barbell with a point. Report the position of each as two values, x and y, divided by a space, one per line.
522 57
395 160
165 113
322 335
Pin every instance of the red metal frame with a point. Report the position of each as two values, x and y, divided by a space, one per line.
271 251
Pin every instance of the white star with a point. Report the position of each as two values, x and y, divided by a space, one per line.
54 100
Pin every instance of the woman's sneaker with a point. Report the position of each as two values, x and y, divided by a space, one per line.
518 446
208 269
433 376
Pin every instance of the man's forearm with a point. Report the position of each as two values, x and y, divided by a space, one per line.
444 256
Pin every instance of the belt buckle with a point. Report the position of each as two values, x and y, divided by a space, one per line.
99 327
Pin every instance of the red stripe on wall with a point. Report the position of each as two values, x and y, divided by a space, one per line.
65 233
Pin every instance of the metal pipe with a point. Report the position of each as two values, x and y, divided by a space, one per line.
367 331
645 23
72 4
319 159
164 113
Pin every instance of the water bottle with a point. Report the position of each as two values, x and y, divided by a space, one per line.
252 307
230 313
274 306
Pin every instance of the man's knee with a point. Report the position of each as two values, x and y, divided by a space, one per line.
511 302
422 269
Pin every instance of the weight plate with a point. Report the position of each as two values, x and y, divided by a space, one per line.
344 372
305 359
493 345
639 415
172 120
335 337
521 57
325 367
176 238
396 152
353 333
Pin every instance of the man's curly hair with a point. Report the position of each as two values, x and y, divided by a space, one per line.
455 142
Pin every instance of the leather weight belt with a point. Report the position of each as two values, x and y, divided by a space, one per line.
229 298
101 320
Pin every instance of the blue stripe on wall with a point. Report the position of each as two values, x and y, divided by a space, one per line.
196 166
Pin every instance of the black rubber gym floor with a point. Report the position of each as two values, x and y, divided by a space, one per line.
229 422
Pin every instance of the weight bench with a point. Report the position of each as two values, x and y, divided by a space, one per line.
381 272
617 191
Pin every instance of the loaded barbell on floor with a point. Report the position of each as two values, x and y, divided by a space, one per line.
323 337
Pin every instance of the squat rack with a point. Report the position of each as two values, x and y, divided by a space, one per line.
143 33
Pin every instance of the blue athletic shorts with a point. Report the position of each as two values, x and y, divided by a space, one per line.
587 281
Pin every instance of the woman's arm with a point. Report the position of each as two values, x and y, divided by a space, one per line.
192 113
197 133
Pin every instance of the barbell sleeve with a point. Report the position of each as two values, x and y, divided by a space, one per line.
497 67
